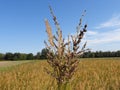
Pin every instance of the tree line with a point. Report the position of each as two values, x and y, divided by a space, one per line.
23 56
100 54
43 55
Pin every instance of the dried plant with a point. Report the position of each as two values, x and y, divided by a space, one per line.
62 58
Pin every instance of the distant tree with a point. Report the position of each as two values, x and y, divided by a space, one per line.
118 54
96 54
17 56
23 56
30 56
88 54
38 56
92 55
99 54
1 56
8 56
44 53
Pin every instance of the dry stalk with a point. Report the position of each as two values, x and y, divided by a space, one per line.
61 57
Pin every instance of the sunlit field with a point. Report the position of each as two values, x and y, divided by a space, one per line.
92 74
7 65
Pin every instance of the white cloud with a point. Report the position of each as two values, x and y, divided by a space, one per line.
104 37
92 33
113 22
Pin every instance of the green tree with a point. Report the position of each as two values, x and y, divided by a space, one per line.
30 56
8 56
38 56
118 53
23 56
44 53
1 56
17 56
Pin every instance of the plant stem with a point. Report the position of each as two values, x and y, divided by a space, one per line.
65 86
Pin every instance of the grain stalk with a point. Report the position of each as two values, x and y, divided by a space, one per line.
61 57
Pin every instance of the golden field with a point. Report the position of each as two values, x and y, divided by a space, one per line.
92 74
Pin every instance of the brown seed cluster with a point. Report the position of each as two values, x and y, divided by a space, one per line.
62 58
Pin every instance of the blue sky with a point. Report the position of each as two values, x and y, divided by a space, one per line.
22 27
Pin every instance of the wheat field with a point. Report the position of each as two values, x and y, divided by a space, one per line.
92 74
